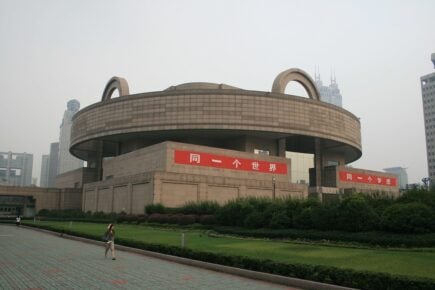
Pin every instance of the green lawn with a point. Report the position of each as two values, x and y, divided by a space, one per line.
419 263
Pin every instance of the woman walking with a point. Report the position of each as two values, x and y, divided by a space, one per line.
110 241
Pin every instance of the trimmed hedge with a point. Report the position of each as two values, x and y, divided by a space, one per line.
180 219
324 274
155 208
368 238
413 217
413 212
75 214
196 208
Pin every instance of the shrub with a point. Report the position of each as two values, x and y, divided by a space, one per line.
255 219
65 213
130 218
234 212
379 202
418 195
141 218
187 219
207 219
355 214
99 215
303 219
173 218
127 218
158 218
275 215
155 208
44 212
292 208
203 207
383 239
325 216
279 220
413 217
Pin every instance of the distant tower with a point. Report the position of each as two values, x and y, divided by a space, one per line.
67 162
53 162
401 174
43 181
428 95
16 168
329 94
334 92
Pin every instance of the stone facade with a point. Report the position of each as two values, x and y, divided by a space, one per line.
332 179
150 175
220 114
132 141
75 178
47 198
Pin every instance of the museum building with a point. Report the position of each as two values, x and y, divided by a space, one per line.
198 142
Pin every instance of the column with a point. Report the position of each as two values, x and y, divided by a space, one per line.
318 161
281 147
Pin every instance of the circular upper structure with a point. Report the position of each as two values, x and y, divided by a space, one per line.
216 115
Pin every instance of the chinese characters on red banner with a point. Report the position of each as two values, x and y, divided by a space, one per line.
226 162
367 178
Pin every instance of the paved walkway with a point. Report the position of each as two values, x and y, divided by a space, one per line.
34 260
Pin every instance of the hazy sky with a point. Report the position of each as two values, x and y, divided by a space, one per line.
54 51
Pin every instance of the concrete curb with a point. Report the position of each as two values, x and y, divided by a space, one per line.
272 278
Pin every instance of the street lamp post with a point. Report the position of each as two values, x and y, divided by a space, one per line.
273 187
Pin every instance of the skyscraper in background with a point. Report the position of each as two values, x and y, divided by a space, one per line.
43 181
329 94
16 168
53 162
401 174
428 95
67 162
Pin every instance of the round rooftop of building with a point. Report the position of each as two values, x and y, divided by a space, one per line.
218 115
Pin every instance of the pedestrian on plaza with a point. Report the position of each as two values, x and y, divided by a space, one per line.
18 221
110 240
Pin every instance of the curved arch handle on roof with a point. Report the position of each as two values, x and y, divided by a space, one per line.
115 83
294 74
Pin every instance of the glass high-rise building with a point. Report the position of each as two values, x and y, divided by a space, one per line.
16 168
43 181
53 161
428 94
402 175
329 94
67 162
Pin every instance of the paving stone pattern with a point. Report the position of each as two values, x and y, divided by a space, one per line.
34 260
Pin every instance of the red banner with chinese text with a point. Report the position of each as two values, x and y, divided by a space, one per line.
226 162
346 176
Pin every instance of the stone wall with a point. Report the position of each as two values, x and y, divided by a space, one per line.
152 158
47 198
364 187
132 194
124 194
150 175
170 115
200 170
75 178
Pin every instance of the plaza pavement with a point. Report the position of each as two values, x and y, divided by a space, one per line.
32 259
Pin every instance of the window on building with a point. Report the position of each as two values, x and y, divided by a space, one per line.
332 163
261 152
